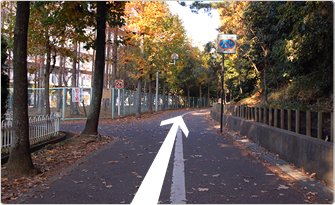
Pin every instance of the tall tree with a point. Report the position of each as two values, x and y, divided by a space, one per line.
91 127
19 159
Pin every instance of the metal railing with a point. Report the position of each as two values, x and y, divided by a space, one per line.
41 128
314 124
61 101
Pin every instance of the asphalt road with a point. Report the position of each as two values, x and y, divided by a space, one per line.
217 170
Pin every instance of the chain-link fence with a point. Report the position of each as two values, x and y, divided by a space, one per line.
61 101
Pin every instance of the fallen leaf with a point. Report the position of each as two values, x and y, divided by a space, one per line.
4 179
203 189
18 180
112 162
282 187
205 175
139 154
109 186
254 196
216 175
269 174
77 181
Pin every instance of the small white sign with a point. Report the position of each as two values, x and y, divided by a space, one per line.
226 43
77 95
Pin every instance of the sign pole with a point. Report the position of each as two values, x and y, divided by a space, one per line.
157 92
118 102
226 43
222 90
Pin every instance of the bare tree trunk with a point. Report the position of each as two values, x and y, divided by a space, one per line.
59 91
208 95
139 84
265 94
164 90
176 100
40 85
47 77
200 96
108 59
188 96
74 80
35 82
91 127
138 98
106 80
93 63
20 162
150 93
114 64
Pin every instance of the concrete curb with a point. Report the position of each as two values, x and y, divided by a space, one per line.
68 170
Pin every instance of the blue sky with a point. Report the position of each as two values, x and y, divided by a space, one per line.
200 27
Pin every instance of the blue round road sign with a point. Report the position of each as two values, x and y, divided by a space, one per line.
227 44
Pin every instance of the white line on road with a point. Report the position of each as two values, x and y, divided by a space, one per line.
178 195
151 186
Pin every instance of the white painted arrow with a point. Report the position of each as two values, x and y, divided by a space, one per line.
151 186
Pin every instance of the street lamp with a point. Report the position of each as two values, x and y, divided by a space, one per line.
174 57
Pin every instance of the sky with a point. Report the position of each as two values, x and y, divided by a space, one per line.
200 27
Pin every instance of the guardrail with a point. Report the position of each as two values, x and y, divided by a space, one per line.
313 124
41 128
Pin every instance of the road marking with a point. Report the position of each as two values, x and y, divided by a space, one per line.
151 186
178 195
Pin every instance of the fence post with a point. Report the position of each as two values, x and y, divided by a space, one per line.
270 116
282 118
252 110
265 115
64 102
297 121
256 117
289 120
319 125
276 118
113 103
260 114
308 123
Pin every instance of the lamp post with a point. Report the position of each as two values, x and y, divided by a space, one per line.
174 57
157 91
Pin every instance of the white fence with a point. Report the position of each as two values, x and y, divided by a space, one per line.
41 128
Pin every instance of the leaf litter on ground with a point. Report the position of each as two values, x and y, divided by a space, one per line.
50 161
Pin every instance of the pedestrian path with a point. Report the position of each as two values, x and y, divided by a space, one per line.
217 169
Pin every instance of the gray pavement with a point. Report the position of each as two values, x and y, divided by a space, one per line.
216 169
